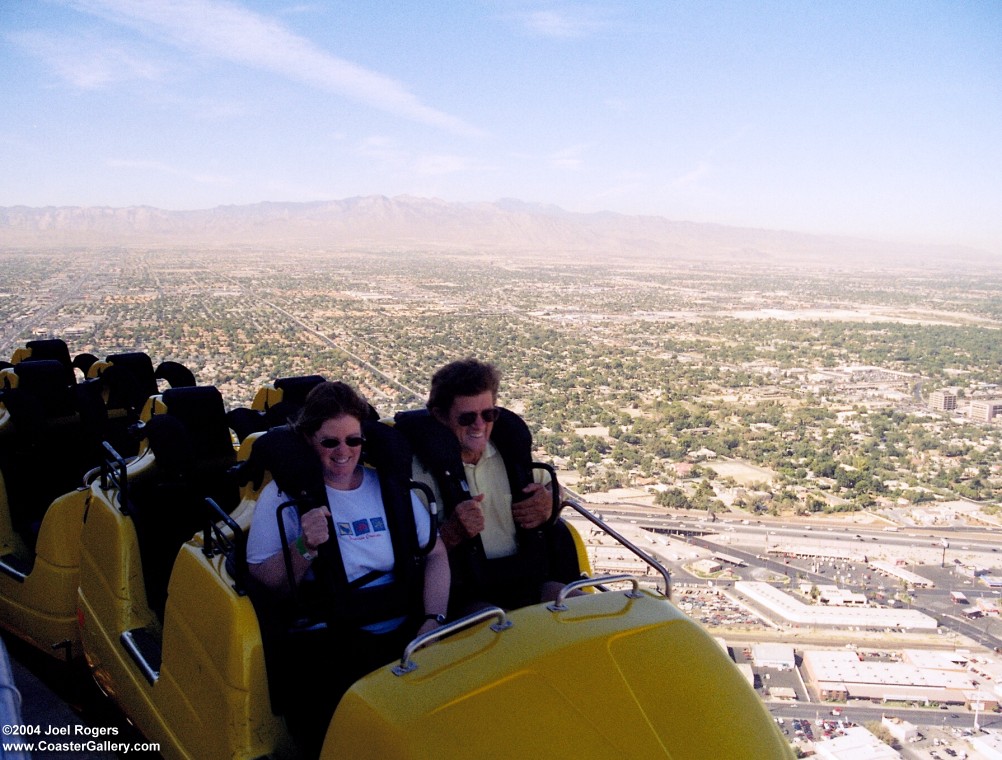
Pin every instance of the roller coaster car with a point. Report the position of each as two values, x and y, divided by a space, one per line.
603 675
178 658
48 441
51 433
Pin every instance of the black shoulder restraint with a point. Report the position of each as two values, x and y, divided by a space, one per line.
438 451
298 473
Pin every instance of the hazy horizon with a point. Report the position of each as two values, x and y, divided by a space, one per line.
879 121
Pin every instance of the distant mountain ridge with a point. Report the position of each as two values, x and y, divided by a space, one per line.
406 222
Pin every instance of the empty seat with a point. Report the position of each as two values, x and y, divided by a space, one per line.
53 438
193 451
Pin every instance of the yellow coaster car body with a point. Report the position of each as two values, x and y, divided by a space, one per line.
38 603
39 565
614 675
38 574
194 681
208 696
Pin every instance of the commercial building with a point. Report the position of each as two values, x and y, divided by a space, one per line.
793 611
856 743
780 656
985 410
842 675
901 730
896 571
943 400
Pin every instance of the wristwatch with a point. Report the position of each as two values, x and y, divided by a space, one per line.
439 618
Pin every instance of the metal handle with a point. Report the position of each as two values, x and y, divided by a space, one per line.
115 472
559 606
429 496
426 639
575 504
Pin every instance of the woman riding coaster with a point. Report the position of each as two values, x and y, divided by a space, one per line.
361 572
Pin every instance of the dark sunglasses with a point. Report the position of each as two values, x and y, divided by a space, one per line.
353 441
465 419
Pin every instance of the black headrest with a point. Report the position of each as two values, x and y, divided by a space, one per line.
45 381
52 349
512 436
202 412
294 392
297 470
386 449
294 389
291 461
129 380
176 375
435 444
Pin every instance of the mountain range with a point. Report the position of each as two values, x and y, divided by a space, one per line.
410 223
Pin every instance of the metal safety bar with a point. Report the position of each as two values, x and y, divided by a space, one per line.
427 639
115 473
599 580
661 569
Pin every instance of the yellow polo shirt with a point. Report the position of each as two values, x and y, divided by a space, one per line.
488 477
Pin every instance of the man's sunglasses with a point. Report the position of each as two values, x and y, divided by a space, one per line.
465 419
353 441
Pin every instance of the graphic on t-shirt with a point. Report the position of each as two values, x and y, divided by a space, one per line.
344 529
361 527
378 524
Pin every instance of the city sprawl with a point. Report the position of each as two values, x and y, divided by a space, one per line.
826 380
815 452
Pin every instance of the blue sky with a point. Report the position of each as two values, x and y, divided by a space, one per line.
881 119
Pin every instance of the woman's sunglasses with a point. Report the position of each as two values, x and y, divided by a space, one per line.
353 441
465 419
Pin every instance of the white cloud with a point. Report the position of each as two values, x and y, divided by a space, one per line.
383 149
568 158
227 31
89 62
565 23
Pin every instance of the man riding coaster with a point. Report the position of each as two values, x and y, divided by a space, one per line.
506 546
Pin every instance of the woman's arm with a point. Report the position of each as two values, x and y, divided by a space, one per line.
436 585
272 571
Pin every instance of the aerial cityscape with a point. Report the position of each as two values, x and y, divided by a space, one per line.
812 452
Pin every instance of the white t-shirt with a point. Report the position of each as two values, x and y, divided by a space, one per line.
359 523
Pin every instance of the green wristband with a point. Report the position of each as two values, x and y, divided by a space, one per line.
301 548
